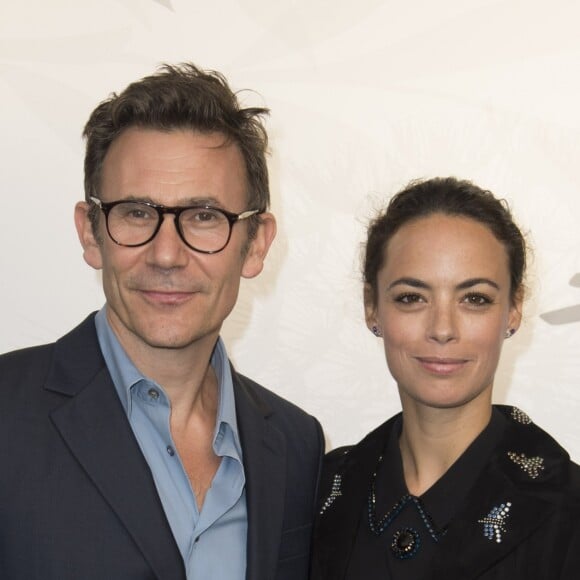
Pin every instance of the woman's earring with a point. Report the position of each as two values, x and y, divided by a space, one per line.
376 331
510 332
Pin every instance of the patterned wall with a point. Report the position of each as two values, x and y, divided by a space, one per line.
365 96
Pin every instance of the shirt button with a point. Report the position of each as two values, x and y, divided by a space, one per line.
170 450
153 394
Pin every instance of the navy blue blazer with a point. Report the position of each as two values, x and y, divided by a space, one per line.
77 498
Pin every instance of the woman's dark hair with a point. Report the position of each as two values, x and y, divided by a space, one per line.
453 197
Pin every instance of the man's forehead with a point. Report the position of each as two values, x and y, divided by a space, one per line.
174 167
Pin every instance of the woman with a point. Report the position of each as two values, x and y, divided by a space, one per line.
452 488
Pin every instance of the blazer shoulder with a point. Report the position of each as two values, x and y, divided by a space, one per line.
75 354
268 402
256 405
35 355
25 364
25 355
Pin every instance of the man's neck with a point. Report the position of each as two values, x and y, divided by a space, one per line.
185 373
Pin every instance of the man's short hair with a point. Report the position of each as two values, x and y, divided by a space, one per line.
180 97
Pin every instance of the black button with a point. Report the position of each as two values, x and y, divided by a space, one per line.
405 543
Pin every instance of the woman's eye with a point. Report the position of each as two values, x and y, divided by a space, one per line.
409 298
477 299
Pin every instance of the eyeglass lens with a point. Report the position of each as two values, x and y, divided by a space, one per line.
133 223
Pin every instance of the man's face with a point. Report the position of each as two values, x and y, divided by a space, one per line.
164 295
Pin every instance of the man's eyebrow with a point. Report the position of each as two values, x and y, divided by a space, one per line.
202 201
193 201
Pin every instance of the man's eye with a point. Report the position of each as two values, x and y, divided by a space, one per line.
136 212
205 216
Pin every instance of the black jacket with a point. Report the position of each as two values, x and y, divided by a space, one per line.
542 538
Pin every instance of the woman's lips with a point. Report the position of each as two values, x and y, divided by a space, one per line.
442 366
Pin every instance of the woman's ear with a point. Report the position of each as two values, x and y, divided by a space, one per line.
370 301
515 313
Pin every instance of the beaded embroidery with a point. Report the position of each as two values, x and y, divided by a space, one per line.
521 417
494 524
533 466
335 492
379 526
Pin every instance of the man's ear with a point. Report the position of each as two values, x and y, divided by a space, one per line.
259 246
91 247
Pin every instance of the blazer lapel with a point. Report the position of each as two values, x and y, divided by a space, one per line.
95 428
264 451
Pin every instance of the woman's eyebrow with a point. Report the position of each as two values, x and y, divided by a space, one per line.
414 282
475 281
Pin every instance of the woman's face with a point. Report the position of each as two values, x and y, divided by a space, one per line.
443 307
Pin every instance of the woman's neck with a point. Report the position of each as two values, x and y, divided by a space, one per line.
433 439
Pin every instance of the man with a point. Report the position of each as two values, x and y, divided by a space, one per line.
131 449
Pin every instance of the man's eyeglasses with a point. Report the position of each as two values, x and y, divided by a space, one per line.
202 228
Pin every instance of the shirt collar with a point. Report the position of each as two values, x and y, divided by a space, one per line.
125 375
441 505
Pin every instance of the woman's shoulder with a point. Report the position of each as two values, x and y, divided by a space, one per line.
574 486
343 456
522 431
334 459
353 462
530 455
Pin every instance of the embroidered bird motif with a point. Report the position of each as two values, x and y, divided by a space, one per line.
494 524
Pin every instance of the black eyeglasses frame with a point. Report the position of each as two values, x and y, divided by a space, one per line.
176 211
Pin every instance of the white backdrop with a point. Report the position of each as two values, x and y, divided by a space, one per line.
365 95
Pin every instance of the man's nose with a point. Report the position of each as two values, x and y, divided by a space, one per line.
167 249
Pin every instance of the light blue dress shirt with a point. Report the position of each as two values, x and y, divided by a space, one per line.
212 542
